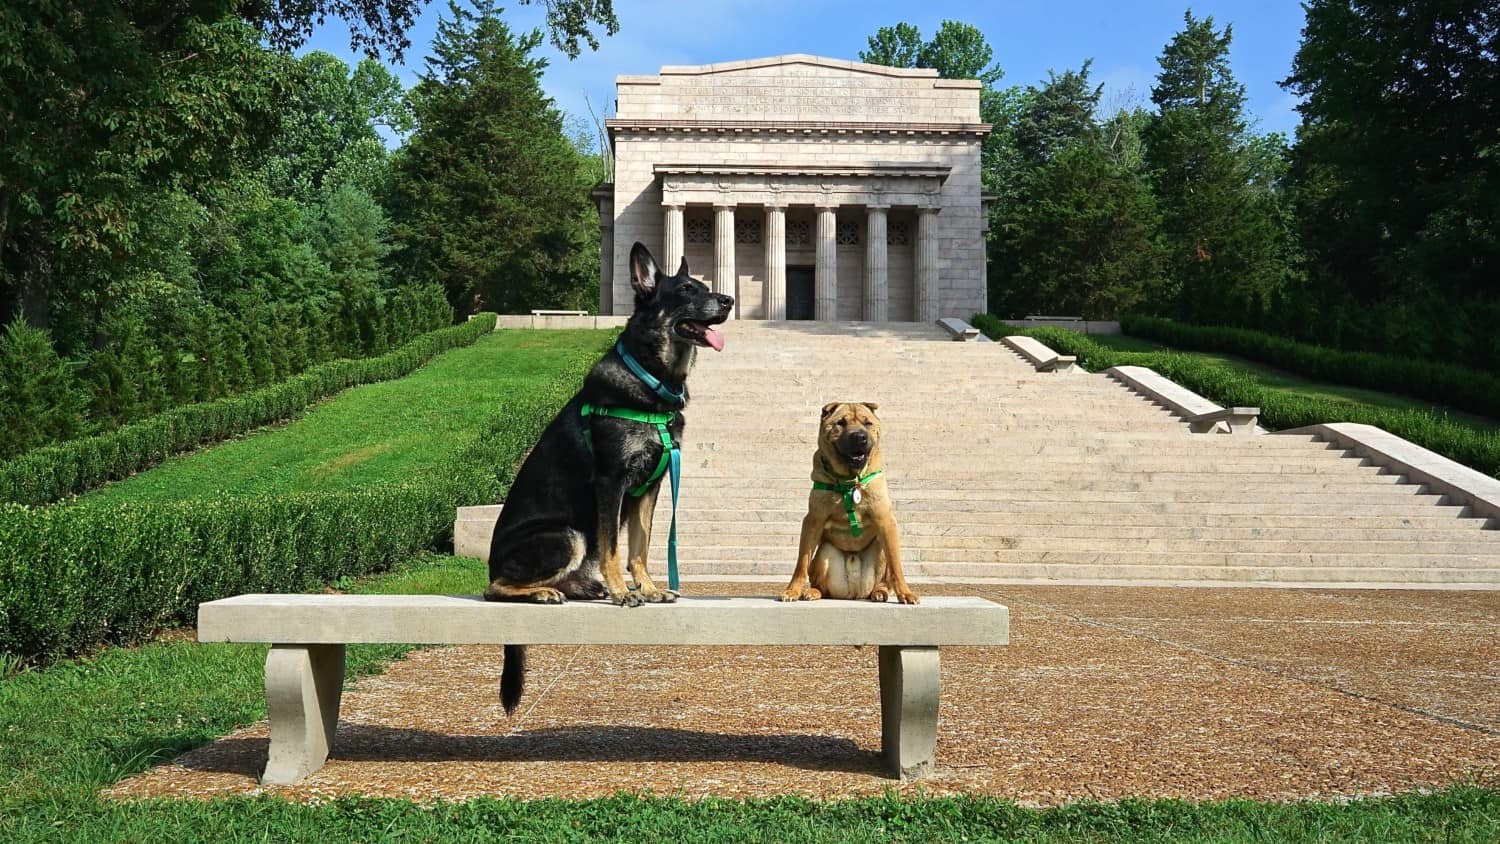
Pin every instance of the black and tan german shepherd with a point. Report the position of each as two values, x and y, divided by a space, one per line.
557 534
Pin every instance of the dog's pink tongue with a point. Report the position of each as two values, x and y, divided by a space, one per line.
714 338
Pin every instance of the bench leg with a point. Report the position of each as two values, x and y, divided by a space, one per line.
303 687
908 709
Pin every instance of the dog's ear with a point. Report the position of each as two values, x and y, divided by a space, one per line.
830 407
871 405
682 270
642 269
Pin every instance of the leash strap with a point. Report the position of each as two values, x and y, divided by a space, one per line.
847 490
667 394
671 459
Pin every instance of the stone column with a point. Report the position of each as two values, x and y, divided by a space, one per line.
724 280
875 265
827 266
927 266
775 262
671 252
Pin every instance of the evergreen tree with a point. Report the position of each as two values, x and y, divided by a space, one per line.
1057 116
1080 234
1227 250
492 201
40 400
350 236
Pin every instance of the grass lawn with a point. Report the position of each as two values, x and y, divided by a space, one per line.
376 432
1286 382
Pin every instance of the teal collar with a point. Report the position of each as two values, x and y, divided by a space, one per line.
667 394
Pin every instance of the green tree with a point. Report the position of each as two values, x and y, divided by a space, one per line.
1080 233
1227 249
351 237
1057 115
329 132
1396 170
381 25
102 104
39 398
491 199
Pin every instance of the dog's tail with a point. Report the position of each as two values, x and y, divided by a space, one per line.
513 677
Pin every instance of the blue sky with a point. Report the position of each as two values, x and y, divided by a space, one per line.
1029 39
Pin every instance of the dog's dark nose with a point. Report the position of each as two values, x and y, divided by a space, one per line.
858 437
725 302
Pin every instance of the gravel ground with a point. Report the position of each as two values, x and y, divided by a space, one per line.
1104 692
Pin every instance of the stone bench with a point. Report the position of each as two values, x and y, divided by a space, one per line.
1039 355
546 312
1202 415
307 634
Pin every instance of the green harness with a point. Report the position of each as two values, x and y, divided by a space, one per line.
660 420
671 458
853 492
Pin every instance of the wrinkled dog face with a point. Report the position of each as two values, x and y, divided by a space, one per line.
685 304
851 430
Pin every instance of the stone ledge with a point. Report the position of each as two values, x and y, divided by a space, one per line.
463 619
960 330
1040 355
1202 415
545 321
1464 485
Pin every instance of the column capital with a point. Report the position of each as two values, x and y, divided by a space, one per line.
929 209
828 205
877 205
725 205
673 204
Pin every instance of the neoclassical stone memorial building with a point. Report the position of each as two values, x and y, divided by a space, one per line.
805 187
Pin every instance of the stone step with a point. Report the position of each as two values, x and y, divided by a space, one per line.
1159 571
1222 556
1425 518
752 496
968 509
1024 469
1034 535
1025 485
985 549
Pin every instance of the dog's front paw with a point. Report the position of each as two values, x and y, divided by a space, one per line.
906 596
548 595
660 596
800 592
879 595
628 599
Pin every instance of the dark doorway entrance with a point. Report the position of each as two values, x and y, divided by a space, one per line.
799 293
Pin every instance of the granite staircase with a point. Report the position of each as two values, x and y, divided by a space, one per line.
1006 474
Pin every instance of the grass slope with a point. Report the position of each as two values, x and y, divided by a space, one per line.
377 432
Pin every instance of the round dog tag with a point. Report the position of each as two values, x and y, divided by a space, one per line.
856 496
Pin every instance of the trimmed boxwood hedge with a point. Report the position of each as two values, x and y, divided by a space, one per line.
1456 386
51 473
1279 410
77 574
